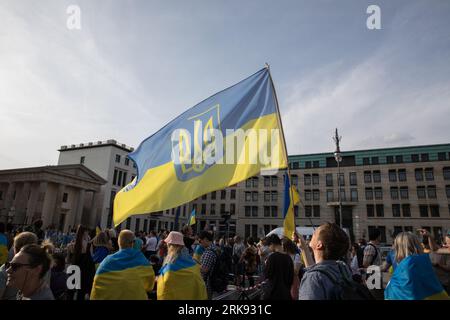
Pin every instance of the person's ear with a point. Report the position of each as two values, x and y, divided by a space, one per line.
319 245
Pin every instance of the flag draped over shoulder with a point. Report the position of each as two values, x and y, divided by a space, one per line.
124 275
291 197
192 218
198 252
3 249
181 280
415 279
219 142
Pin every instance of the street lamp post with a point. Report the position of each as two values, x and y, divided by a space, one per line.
338 158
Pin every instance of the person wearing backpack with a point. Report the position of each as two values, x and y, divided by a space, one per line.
208 259
328 278
249 258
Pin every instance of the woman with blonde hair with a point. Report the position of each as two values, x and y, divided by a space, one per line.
414 277
100 248
179 277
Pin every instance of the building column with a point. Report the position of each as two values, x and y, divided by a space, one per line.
77 213
42 189
93 218
8 201
21 203
55 215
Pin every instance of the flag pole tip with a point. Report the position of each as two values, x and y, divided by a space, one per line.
266 65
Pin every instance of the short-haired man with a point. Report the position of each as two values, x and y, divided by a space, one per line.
124 275
372 254
329 244
208 259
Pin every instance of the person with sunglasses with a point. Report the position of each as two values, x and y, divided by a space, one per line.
26 272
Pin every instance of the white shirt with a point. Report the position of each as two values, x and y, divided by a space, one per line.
151 243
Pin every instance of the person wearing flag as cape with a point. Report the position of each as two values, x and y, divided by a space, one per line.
179 277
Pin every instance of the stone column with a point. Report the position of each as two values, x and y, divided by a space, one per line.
55 215
21 203
93 210
8 201
42 190
32 202
78 210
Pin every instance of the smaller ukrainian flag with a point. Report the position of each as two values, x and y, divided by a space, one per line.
192 218
198 252
3 249
181 280
291 197
124 275
415 279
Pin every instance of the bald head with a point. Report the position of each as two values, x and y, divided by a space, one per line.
126 238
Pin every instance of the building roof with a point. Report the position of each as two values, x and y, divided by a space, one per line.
97 144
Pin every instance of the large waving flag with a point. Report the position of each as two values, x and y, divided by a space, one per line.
219 142
192 218
181 280
291 198
124 275
415 279
3 249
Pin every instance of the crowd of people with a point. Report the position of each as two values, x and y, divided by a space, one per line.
172 265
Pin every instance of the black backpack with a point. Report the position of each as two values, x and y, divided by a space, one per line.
348 288
222 267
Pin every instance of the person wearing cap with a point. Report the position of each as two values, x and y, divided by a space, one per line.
179 277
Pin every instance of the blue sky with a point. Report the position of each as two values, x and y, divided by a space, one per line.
135 65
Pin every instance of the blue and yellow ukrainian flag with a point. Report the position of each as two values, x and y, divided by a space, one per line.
171 164
291 198
415 279
198 252
3 249
124 275
192 218
181 280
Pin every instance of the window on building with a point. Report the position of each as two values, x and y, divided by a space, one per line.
65 197
392 175
329 179
119 180
354 194
423 209
266 211
213 195
316 164
396 210
294 178
408 229
128 224
204 197
203 208
266 196
307 178
447 191
127 161
307 164
233 194
315 179
414 158
421 192
369 194
404 194
419 174
367 176
295 165
401 175
213 209
376 176
223 194
255 182
431 192
353 181
394 193
316 195
248 211
254 211
434 211
316 211
446 171
380 210
378 193
254 196
308 211
399 159
441 156
390 159
274 180
248 196
429 175
366 161
296 211
370 210
82 160
248 183
397 230
118 161
424 157
124 180
406 208
274 211
341 179
330 195
266 181
375 160
307 195
274 196
342 195
115 177
232 208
